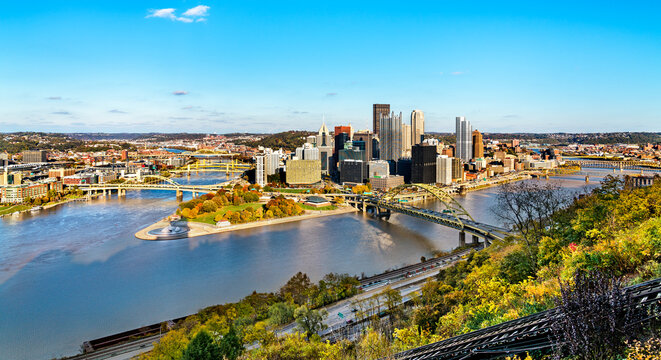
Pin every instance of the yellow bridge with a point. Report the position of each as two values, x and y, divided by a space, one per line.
231 167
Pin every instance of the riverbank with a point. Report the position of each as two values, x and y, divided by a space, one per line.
25 209
202 229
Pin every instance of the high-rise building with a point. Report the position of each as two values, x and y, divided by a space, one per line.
367 137
457 169
324 137
406 140
307 152
390 127
423 164
464 149
260 173
443 170
303 172
34 156
417 126
379 110
352 171
478 145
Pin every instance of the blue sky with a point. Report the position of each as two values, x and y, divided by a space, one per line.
266 66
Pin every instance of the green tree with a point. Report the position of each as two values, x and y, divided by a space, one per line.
281 313
209 206
310 321
202 347
231 346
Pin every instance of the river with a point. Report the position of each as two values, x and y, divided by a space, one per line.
76 272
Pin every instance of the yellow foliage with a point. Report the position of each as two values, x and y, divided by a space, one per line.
648 350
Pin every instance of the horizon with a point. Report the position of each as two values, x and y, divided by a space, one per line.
214 67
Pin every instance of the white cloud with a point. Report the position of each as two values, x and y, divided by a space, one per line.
180 92
198 11
162 13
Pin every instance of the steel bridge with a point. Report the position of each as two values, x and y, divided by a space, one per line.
233 166
151 182
453 216
614 164
522 335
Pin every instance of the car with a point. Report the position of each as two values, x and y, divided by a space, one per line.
349 322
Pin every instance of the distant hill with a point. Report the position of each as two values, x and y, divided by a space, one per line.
288 140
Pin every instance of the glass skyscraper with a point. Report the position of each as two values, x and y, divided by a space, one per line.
464 150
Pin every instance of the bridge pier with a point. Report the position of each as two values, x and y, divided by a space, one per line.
180 195
476 240
462 238
587 178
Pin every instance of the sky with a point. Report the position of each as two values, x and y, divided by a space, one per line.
267 66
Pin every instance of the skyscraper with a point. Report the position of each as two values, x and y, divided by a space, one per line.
444 170
478 145
423 164
260 177
464 149
367 137
390 136
377 111
417 126
406 140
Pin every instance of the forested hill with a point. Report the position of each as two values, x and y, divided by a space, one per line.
288 140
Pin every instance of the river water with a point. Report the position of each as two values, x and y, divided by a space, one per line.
76 272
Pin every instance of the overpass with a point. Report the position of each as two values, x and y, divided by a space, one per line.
233 166
453 216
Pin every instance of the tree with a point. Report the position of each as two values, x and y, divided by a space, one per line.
297 287
281 313
170 347
527 208
231 346
310 321
209 206
202 347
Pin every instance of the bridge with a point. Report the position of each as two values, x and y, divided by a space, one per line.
521 335
453 216
203 165
616 164
151 182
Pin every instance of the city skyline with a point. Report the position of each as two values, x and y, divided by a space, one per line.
220 67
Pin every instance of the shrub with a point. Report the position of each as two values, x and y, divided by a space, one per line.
209 206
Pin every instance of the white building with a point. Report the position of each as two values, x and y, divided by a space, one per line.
260 172
464 133
390 136
443 170
417 126
378 168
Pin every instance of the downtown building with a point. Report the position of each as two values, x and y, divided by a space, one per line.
390 134
417 127
34 156
443 170
478 145
464 148
423 164
379 110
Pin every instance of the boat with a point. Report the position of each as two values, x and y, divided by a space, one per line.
36 209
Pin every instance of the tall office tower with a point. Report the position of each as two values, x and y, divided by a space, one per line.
478 145
390 134
377 111
423 164
417 126
324 137
457 170
307 152
406 140
443 170
367 137
260 173
464 149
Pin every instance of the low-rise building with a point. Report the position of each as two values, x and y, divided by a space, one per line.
387 182
59 173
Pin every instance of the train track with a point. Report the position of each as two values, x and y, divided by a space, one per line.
525 334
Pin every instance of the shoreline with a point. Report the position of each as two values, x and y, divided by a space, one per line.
202 229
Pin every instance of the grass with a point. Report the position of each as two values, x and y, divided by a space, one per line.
308 207
208 218
11 208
